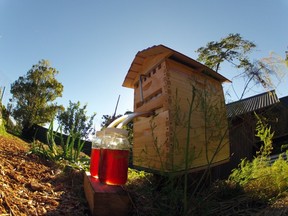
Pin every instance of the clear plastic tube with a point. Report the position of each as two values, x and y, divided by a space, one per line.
130 117
117 121
125 119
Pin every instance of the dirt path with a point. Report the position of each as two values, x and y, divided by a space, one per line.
30 185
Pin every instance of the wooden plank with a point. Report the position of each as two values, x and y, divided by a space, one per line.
152 62
183 84
199 157
144 143
145 152
105 200
149 86
184 93
150 164
152 86
156 103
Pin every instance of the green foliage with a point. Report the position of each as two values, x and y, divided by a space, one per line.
2 128
53 152
108 119
71 147
234 50
265 135
42 150
75 121
34 94
259 72
136 175
261 179
276 65
258 177
62 149
9 125
231 48
284 147
247 171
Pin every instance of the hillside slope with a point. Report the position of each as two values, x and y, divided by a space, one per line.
30 185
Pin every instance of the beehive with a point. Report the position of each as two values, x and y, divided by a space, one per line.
189 129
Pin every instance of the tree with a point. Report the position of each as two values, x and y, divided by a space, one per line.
75 121
34 94
234 49
259 72
108 119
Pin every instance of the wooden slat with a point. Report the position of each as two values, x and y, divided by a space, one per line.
145 146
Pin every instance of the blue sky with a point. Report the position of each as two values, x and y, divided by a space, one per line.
93 43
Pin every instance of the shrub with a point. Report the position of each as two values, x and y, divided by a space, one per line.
259 177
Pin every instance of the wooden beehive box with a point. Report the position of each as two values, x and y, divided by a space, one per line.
189 130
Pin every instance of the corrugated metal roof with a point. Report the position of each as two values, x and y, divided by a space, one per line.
252 104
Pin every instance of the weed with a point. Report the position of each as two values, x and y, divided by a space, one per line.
258 177
67 151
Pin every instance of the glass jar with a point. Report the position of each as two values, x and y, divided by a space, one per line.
112 155
95 156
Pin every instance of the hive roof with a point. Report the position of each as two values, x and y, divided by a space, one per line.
152 56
